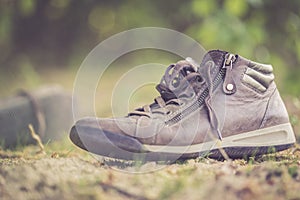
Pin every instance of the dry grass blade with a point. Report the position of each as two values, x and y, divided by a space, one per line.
222 151
37 138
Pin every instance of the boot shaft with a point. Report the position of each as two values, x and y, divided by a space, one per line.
255 102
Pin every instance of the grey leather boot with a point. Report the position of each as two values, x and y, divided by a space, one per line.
228 103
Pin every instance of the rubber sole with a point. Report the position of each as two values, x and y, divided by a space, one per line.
253 143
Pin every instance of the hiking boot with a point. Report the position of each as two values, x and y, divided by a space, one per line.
227 106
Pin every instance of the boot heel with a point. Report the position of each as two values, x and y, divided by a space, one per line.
258 142
272 136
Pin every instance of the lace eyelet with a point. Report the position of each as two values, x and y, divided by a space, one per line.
192 95
199 79
175 82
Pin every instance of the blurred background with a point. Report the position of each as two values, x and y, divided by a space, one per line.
45 41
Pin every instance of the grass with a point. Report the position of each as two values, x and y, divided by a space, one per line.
66 172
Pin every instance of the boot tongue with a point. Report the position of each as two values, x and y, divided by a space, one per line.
178 77
217 56
180 80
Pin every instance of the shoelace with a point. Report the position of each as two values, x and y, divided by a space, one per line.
214 122
228 80
180 80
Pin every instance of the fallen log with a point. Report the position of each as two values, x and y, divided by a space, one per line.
48 110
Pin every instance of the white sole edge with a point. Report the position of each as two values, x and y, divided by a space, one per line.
272 136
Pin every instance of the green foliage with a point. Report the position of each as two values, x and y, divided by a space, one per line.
293 171
203 8
62 32
27 7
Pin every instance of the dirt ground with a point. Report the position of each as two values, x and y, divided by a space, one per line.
62 171
65 172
